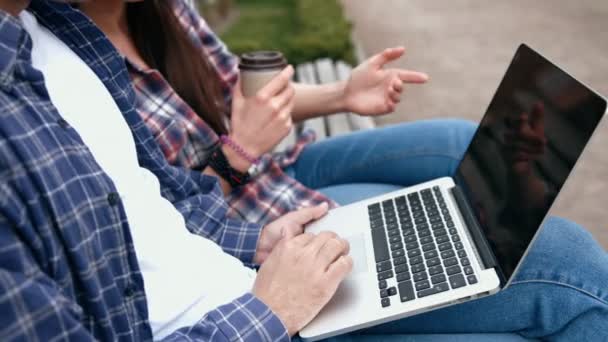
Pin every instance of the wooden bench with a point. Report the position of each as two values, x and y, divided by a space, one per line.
320 72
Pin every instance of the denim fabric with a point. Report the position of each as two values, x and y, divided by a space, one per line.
561 291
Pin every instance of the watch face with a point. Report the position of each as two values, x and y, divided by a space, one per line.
254 170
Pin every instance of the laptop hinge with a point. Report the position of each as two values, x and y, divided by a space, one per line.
483 248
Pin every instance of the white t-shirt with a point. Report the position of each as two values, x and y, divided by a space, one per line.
185 275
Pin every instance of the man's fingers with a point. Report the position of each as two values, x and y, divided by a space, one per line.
338 270
306 215
387 56
277 84
408 76
302 239
332 250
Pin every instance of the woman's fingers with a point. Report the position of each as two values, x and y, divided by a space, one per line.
283 99
277 84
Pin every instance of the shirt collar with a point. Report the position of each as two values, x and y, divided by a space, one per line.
12 41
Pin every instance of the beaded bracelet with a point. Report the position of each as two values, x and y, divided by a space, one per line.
238 149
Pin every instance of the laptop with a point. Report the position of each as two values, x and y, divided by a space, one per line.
463 237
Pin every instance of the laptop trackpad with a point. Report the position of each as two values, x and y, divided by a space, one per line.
357 252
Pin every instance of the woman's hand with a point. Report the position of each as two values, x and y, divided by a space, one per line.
373 90
260 122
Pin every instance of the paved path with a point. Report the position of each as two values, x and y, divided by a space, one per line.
465 45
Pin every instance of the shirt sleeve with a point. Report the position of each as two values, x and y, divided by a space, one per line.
34 308
244 319
213 48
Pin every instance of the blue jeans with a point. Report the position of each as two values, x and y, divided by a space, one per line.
561 291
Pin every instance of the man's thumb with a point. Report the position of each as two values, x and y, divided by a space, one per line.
307 215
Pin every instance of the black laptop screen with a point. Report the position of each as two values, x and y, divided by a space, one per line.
534 131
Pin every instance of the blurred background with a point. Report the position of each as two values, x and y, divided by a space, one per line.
465 46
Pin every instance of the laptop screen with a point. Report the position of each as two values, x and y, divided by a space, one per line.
534 131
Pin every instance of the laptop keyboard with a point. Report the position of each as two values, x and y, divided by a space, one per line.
416 243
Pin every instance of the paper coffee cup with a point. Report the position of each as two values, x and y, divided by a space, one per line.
258 68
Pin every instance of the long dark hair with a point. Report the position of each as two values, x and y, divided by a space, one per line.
165 45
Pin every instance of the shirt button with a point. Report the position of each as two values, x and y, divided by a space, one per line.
113 199
63 124
129 290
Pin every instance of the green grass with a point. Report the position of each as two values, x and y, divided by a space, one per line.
302 29
262 25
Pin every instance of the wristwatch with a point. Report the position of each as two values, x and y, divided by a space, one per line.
220 164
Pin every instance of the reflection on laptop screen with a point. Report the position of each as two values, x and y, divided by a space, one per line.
527 144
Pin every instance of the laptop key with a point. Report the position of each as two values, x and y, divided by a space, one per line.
416 260
382 284
385 275
383 266
407 225
472 279
450 262
457 281
414 253
396 245
423 233
449 223
399 260
411 245
394 239
435 270
442 239
458 245
433 262
439 278
420 220
380 245
398 253
453 270
468 270
465 261
383 293
445 246
392 291
455 238
401 268
420 276
447 254
462 253
392 225
408 231
430 254
422 285
410 238
418 268
428 247
403 276
426 239
385 302
406 291
453 231
434 290
441 232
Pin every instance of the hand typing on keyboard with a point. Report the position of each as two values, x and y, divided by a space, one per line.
301 275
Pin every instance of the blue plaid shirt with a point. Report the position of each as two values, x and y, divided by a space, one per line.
68 270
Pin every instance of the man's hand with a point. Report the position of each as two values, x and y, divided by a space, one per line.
301 275
374 90
287 226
